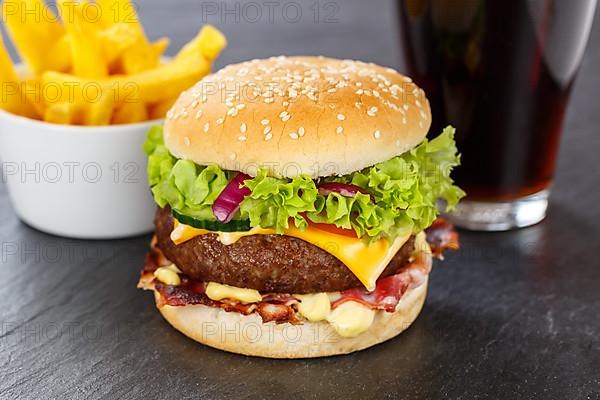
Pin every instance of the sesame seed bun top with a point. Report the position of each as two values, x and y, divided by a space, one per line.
298 115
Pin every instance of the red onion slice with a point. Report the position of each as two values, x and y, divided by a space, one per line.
228 202
345 189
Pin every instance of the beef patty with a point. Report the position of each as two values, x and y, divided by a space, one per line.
268 263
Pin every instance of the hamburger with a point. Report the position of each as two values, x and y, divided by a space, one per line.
293 198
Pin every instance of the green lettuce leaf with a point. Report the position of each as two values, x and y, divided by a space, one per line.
181 184
405 190
274 201
402 192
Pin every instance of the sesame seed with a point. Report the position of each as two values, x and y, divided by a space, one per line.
265 122
341 117
220 121
240 106
186 140
242 138
286 118
283 114
269 100
340 130
377 135
170 114
199 114
232 112
405 106
267 130
194 103
269 136
233 156
418 103
301 131
206 127
372 111
243 128
421 124
294 135
375 93
404 121
357 104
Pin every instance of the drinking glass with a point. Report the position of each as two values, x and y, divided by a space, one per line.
500 72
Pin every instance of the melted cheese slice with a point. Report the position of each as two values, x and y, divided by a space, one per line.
366 262
182 233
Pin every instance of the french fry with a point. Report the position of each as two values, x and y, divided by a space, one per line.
168 80
86 50
209 42
151 86
33 96
118 11
159 110
116 39
99 112
128 113
34 30
138 59
120 39
58 58
61 113
160 46
212 42
11 87
140 56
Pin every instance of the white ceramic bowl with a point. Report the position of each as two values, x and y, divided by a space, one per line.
74 181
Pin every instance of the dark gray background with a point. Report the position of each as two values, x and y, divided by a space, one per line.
513 315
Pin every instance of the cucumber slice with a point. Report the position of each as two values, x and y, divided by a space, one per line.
241 225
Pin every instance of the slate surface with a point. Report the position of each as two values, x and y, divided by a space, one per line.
513 315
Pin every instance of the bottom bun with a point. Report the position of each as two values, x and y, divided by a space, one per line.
247 334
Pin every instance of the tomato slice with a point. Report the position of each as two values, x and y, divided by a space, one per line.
333 229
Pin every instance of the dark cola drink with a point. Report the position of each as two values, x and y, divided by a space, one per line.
501 72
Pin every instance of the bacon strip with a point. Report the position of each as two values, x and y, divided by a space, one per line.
390 290
441 235
192 292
